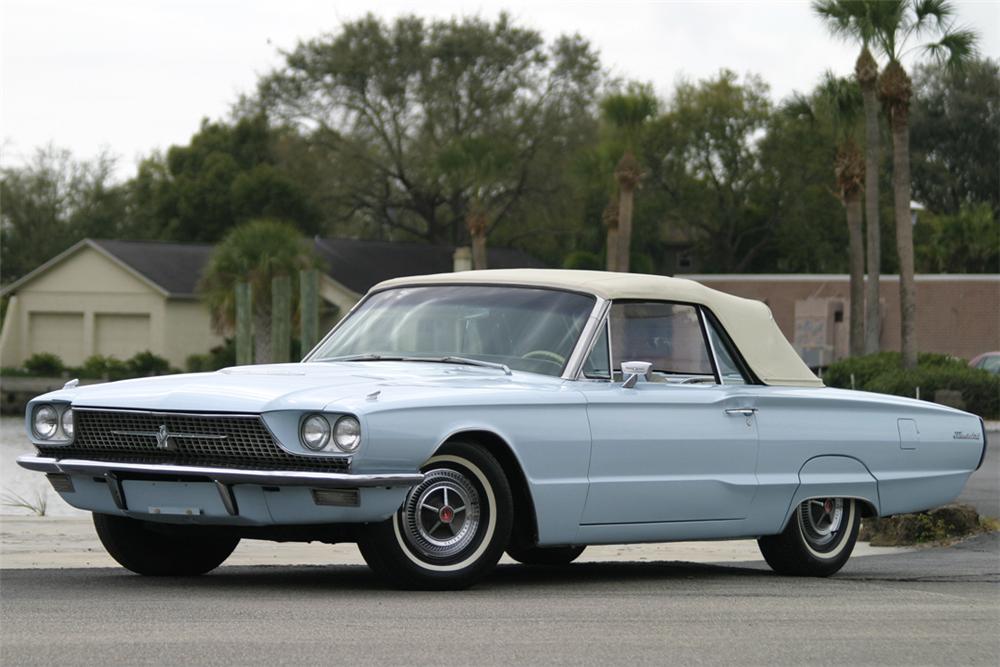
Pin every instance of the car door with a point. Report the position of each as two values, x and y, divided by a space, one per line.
680 446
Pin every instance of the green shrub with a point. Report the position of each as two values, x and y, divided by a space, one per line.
582 259
867 368
883 373
101 367
44 364
146 363
220 356
980 389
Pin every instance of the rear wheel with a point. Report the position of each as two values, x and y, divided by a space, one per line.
452 527
544 555
818 540
162 551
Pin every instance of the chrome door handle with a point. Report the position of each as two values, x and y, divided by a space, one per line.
745 412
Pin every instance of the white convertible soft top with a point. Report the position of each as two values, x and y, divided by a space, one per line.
749 323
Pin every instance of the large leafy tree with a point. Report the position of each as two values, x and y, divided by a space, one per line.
955 124
255 252
227 175
51 203
891 26
703 155
399 107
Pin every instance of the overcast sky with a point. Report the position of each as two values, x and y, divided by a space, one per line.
137 75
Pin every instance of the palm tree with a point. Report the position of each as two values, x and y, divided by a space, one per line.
255 252
839 102
850 20
627 113
481 168
891 24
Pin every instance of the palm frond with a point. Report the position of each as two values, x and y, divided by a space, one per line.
926 11
955 48
798 106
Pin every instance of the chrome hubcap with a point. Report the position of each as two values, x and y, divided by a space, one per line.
441 514
820 520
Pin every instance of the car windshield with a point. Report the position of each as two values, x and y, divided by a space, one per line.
526 329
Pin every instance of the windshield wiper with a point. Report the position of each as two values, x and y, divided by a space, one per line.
366 357
443 360
471 362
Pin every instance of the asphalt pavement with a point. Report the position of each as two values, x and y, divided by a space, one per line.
932 606
983 488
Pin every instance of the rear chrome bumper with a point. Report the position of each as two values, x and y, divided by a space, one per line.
317 480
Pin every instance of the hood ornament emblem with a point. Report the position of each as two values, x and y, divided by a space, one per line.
163 438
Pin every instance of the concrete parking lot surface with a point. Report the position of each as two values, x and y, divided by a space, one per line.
932 606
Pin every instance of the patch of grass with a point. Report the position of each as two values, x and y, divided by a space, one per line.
37 506
943 524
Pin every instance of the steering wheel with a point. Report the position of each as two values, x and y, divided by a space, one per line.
545 355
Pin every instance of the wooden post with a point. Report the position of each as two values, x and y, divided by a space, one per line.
309 305
244 324
281 319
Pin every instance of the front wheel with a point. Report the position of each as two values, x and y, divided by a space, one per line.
162 551
451 528
818 540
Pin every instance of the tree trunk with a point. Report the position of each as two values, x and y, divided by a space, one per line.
866 72
479 252
624 240
873 308
628 174
476 222
904 239
261 334
852 203
610 219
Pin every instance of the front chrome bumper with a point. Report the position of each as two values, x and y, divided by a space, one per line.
223 478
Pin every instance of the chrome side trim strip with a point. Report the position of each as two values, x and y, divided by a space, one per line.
318 480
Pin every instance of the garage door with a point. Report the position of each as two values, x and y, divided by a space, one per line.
121 336
57 333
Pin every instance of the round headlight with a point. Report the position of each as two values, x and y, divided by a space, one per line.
347 434
315 432
46 422
67 422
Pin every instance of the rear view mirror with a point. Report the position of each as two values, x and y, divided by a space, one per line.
633 370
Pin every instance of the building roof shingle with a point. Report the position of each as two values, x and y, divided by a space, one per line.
176 268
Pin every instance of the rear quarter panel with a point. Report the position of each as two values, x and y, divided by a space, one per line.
796 425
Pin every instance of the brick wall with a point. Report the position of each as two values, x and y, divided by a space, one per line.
956 314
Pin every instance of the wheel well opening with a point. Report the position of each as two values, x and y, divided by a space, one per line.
525 528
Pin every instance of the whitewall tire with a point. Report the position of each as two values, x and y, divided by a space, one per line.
818 540
452 527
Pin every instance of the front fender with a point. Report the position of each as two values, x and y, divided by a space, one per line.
834 477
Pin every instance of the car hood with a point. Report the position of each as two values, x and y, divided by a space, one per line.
301 386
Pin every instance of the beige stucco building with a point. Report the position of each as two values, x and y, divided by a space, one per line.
96 298
117 298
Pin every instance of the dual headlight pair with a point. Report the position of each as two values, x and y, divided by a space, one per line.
316 433
49 423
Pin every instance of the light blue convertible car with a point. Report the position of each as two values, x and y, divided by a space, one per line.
450 418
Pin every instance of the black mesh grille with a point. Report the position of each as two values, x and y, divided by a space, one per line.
241 441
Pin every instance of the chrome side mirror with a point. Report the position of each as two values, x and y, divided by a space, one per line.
633 370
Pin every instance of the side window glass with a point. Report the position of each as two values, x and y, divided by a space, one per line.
596 366
667 335
728 368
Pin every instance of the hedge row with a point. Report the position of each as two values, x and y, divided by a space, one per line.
883 373
142 364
